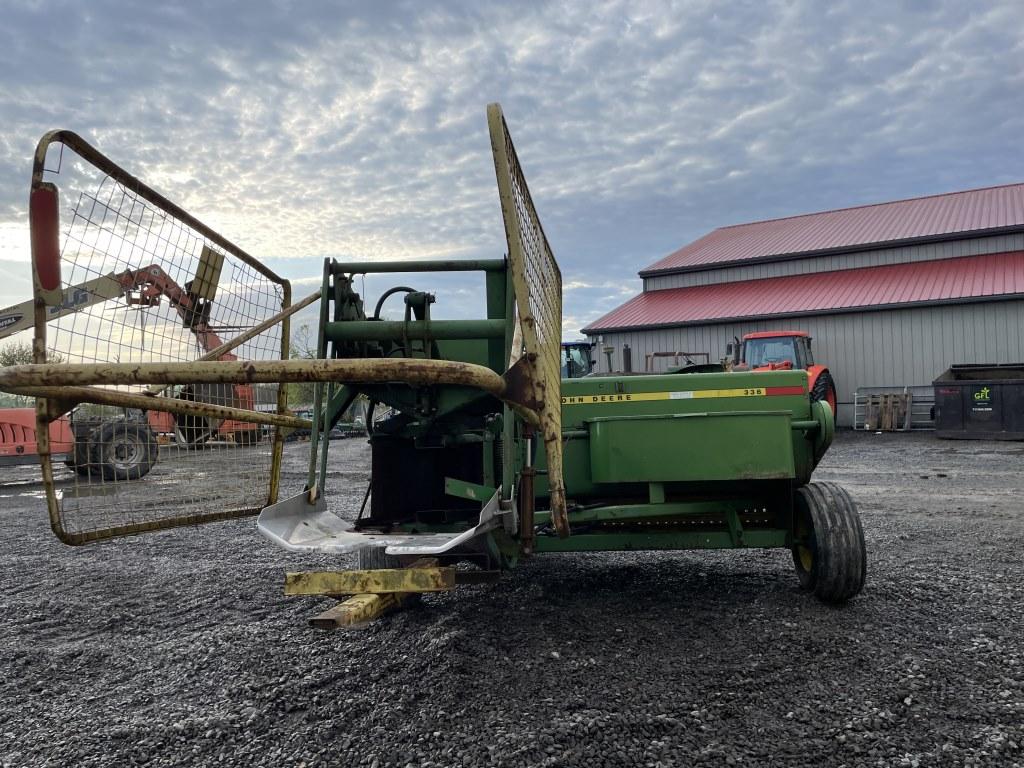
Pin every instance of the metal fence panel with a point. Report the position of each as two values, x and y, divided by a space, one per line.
537 281
143 281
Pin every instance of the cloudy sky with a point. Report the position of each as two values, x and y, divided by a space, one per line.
357 130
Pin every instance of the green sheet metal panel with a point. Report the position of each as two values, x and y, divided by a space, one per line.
631 395
596 397
739 445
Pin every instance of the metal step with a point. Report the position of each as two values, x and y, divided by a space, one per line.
300 526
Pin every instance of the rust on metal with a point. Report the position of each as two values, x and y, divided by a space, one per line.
378 581
63 399
412 371
519 384
537 282
363 608
113 532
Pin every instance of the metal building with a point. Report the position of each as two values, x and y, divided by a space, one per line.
892 293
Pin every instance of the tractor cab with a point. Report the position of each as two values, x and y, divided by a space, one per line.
577 359
774 350
783 351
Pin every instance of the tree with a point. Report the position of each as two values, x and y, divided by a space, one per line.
16 353
303 347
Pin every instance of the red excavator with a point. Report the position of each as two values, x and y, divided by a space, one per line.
126 449
783 350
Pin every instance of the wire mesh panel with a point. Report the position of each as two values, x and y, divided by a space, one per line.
142 281
538 286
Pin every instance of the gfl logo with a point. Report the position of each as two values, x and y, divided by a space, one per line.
982 394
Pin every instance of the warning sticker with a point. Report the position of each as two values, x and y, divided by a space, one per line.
686 394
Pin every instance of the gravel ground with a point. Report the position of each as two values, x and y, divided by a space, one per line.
178 648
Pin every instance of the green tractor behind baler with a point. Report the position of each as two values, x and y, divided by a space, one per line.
489 457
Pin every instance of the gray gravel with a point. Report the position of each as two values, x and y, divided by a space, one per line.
179 649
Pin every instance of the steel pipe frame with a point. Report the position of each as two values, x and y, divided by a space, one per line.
68 397
398 330
381 371
434 265
422 372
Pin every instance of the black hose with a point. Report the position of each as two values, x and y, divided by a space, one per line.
386 294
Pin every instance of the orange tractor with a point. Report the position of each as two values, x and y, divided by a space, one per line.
781 351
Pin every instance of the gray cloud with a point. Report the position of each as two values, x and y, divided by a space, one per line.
308 130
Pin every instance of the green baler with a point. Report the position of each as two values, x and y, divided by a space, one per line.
629 462
480 452
649 462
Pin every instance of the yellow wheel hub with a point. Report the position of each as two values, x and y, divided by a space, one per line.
803 532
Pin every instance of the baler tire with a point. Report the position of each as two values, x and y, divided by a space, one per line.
832 560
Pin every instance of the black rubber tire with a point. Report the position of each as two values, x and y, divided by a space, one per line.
822 387
374 558
81 460
125 451
82 456
829 556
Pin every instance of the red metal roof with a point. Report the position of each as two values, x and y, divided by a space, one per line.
945 280
950 214
773 334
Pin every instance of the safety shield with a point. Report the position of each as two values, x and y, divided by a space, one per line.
537 282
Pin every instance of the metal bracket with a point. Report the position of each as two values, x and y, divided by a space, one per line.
463 489
519 383
735 528
509 512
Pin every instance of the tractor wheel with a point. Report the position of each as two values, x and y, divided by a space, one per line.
83 456
80 460
828 551
125 451
825 389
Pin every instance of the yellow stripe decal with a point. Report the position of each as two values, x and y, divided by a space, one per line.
634 397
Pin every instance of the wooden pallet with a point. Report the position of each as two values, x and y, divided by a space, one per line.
888 412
